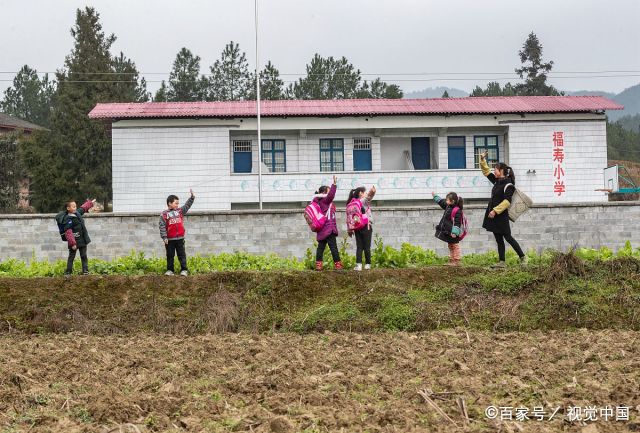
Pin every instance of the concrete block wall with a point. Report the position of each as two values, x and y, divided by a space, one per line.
285 233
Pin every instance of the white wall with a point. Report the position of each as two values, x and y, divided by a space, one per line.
151 163
585 148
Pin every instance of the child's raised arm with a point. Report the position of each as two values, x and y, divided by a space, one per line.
189 203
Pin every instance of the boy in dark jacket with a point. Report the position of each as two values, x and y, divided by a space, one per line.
75 233
172 232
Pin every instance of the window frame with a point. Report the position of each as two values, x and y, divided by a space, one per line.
273 152
490 161
331 150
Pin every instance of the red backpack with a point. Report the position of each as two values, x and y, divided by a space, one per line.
464 225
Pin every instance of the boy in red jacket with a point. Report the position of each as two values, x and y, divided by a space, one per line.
172 231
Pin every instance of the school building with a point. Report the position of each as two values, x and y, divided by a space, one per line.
557 146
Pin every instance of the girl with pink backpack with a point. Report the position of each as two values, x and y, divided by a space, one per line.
321 216
452 227
359 222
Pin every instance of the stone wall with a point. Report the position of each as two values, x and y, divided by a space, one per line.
285 233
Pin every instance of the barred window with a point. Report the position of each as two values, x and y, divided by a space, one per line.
242 145
362 144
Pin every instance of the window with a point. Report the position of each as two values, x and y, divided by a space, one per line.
242 156
274 155
457 156
486 142
362 154
331 154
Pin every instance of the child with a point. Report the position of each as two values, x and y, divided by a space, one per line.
450 228
75 232
329 232
364 234
172 232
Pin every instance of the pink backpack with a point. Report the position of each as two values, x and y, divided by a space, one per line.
463 219
355 218
314 216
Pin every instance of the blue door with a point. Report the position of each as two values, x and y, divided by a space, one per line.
456 150
242 162
242 156
420 153
362 160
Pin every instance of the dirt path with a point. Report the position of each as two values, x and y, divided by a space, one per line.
314 383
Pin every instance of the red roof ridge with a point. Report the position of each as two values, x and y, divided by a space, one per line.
357 107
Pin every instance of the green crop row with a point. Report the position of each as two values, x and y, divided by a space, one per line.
382 256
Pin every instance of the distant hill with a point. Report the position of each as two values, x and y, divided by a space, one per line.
630 98
591 93
436 92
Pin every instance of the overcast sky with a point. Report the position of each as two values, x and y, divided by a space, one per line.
382 37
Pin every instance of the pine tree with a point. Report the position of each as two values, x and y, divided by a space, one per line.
378 89
12 173
184 83
30 97
445 94
230 77
129 86
494 89
73 160
329 78
534 69
161 93
271 85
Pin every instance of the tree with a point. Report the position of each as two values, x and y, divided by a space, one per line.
622 144
73 160
535 69
494 89
378 89
12 173
445 94
184 84
30 98
230 77
129 86
329 78
161 94
271 86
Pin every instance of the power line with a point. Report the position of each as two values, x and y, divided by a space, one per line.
324 81
361 73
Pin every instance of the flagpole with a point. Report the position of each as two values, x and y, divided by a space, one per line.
258 113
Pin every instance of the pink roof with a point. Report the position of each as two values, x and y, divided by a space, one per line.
356 107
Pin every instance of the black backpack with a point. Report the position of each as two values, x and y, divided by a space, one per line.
63 224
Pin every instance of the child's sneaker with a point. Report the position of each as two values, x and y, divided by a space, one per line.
168 273
85 272
358 267
524 261
338 266
500 265
367 267
318 266
184 273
